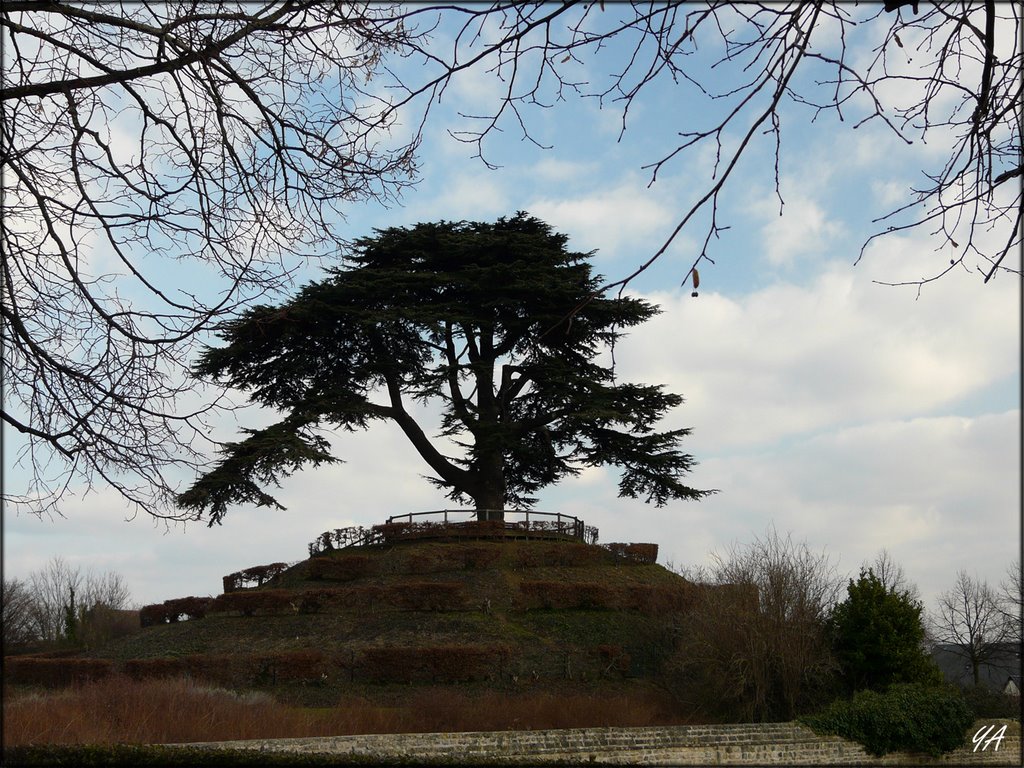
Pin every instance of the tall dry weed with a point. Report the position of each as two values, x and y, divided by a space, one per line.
121 710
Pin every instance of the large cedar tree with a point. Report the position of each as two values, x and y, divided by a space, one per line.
499 322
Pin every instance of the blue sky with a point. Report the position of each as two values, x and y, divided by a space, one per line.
853 415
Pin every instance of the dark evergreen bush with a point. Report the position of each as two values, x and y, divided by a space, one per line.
877 637
908 717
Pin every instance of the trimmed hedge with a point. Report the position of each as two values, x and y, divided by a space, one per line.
257 575
404 596
341 568
559 554
54 672
478 558
648 599
428 596
305 666
560 595
437 664
909 717
171 611
263 602
644 554
149 615
241 669
147 669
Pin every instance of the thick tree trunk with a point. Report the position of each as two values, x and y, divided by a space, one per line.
490 495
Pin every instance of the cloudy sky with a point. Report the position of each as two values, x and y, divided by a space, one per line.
852 415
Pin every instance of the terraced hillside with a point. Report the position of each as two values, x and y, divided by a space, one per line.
373 621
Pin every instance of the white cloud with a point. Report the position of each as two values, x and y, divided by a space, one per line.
911 486
803 230
551 169
611 220
788 360
478 194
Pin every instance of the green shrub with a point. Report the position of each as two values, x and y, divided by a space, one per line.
877 637
909 717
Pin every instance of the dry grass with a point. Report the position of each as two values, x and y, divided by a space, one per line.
120 710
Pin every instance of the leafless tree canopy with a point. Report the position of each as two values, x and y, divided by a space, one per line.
969 621
947 72
220 138
226 139
1011 603
755 644
892 576
36 606
16 613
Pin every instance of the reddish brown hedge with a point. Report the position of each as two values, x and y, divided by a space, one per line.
172 610
304 665
210 667
440 664
477 558
190 607
257 575
562 595
655 599
558 553
149 615
341 568
634 553
144 669
311 600
427 596
267 602
54 672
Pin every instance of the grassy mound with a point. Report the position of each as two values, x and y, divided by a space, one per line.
486 616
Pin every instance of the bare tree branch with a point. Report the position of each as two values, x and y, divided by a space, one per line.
166 164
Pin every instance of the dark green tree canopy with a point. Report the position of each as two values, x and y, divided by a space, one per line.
499 322
878 636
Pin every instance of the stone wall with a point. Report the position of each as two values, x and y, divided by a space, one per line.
755 744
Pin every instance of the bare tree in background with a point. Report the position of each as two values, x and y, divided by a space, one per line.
50 596
1011 603
969 623
892 576
16 613
226 138
754 644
